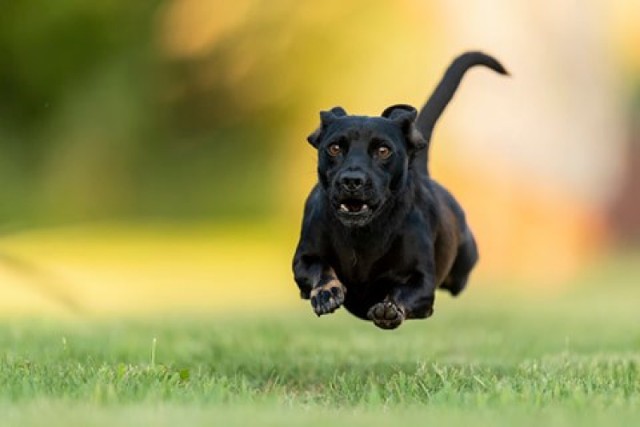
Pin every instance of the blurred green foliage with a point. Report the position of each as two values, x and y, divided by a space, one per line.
87 130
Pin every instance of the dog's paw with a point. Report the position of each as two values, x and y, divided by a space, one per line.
386 315
327 298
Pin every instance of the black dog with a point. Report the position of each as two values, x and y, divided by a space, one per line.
378 234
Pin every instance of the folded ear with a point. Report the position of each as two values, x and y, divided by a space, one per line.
326 118
400 113
404 116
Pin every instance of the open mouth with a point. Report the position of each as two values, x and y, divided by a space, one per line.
352 206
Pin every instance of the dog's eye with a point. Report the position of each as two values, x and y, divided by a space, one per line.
334 150
383 152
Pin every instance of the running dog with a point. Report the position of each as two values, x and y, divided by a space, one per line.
379 235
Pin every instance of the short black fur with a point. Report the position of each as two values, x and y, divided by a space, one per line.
379 236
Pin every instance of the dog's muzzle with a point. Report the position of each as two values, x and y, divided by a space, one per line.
353 198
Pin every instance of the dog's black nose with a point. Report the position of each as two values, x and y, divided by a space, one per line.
352 180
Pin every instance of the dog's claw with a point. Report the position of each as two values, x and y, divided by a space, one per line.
386 315
328 298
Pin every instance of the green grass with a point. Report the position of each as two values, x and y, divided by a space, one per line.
489 357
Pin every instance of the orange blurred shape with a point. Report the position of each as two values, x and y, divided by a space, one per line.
191 28
525 230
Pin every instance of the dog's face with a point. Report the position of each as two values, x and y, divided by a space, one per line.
363 161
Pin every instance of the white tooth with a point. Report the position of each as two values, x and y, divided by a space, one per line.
365 207
343 208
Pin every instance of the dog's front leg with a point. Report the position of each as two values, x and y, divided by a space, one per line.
318 282
413 300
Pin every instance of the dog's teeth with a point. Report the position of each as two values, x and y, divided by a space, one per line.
365 207
343 208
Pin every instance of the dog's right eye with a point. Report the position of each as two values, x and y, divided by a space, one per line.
334 150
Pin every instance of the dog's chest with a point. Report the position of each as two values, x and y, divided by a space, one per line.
363 267
355 269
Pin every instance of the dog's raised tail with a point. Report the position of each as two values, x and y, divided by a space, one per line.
437 102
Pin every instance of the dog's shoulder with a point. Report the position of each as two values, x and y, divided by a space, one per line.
314 221
315 202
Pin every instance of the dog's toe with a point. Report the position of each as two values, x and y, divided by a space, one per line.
386 315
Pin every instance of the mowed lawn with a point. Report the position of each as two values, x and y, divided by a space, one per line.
490 357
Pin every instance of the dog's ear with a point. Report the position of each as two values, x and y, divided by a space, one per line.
404 116
326 118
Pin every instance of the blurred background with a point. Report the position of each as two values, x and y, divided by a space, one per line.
153 153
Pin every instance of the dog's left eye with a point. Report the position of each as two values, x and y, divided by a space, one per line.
334 150
383 152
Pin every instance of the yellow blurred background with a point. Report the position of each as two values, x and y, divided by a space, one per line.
153 156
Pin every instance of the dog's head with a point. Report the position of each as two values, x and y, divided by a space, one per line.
363 161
